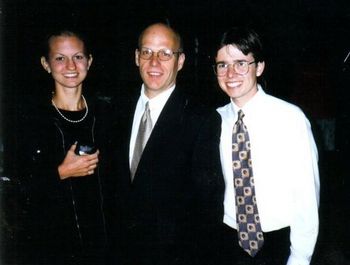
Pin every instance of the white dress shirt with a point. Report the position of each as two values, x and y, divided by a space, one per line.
284 158
156 106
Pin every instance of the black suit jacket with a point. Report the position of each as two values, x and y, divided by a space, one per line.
176 182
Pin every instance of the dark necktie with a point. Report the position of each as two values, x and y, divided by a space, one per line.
250 235
143 134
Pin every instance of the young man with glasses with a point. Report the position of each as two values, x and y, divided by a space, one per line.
160 136
269 161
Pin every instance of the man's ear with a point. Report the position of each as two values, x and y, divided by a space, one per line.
137 54
260 68
45 64
181 61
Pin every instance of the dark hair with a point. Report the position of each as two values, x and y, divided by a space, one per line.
245 39
167 25
63 33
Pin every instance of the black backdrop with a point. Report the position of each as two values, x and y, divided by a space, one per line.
306 43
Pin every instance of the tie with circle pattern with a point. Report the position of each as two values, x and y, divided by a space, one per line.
143 134
250 235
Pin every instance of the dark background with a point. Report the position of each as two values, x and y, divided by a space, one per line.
306 43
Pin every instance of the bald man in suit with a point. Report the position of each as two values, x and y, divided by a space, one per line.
173 190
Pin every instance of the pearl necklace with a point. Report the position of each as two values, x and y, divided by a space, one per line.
72 121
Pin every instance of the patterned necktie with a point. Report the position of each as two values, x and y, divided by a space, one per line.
143 134
250 235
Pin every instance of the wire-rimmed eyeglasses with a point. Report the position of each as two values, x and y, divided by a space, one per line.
162 54
240 67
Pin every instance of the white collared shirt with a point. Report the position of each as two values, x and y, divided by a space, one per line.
284 159
156 106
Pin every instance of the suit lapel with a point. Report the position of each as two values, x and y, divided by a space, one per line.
170 117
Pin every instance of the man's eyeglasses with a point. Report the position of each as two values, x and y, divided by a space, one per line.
163 54
240 67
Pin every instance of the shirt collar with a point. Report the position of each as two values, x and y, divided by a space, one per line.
250 104
159 100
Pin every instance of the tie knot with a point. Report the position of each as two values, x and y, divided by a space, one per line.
240 115
147 115
147 106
